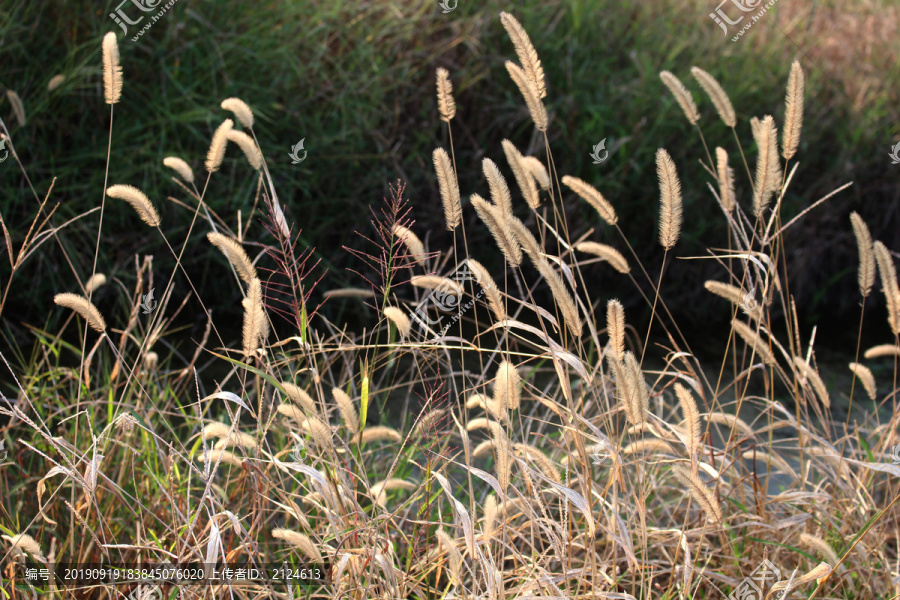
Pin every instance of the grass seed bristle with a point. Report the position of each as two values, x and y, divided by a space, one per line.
717 95
240 110
138 201
593 197
682 96
607 253
112 70
446 103
84 308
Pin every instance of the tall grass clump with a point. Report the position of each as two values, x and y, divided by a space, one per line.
486 434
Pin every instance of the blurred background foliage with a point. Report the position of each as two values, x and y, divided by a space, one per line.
355 79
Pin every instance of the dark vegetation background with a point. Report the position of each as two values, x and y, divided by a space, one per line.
356 80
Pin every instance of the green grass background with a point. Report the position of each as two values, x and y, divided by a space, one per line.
356 80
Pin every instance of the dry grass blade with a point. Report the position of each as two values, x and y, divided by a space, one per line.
446 104
499 190
670 200
138 201
112 71
682 96
594 198
768 168
449 188
691 417
256 326
813 377
216 153
750 336
240 110
537 170
83 307
498 225
17 106
248 147
607 253
717 95
864 245
413 244
524 179
726 180
819 574
399 319
235 254
347 409
484 279
701 494
793 112
615 326
889 285
865 377
530 94
531 64
181 167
